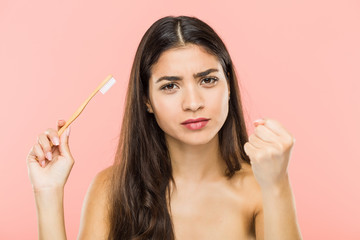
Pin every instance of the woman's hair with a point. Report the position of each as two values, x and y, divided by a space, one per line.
142 170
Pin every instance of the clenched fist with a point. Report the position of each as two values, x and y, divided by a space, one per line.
269 149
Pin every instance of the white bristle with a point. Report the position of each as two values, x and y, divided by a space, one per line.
107 86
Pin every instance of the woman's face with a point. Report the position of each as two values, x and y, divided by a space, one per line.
188 95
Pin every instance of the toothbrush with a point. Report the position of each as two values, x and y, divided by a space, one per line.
103 88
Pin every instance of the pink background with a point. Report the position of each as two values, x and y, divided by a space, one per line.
297 61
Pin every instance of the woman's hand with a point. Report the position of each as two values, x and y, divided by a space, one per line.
269 150
49 167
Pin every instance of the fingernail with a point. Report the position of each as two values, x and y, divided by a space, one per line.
56 141
43 163
68 131
49 155
259 120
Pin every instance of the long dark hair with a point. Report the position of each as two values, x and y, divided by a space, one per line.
142 171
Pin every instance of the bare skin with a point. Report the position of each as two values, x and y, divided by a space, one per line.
219 209
257 201
205 205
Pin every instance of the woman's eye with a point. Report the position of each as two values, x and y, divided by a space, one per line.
171 86
168 86
210 80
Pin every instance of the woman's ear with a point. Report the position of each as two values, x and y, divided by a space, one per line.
148 106
228 83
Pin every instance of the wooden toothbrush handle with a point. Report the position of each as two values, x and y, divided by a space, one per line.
81 108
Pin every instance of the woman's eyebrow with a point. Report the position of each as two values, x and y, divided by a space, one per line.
197 75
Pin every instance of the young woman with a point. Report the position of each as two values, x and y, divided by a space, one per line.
185 167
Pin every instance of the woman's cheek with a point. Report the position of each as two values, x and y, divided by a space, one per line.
216 101
166 111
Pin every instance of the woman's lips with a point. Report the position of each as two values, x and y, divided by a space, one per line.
194 120
196 125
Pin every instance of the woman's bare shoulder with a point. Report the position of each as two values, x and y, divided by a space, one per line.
104 175
246 183
94 221
101 182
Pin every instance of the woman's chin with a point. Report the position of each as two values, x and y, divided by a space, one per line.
194 140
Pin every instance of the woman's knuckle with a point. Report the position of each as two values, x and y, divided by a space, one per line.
273 152
259 155
49 132
251 138
287 143
280 146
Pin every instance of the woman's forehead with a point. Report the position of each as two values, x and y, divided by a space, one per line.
184 60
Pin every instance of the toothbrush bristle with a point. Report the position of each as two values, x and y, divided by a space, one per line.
107 86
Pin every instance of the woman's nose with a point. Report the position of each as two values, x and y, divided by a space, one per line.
192 99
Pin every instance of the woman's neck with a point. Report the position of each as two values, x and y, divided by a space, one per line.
196 163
